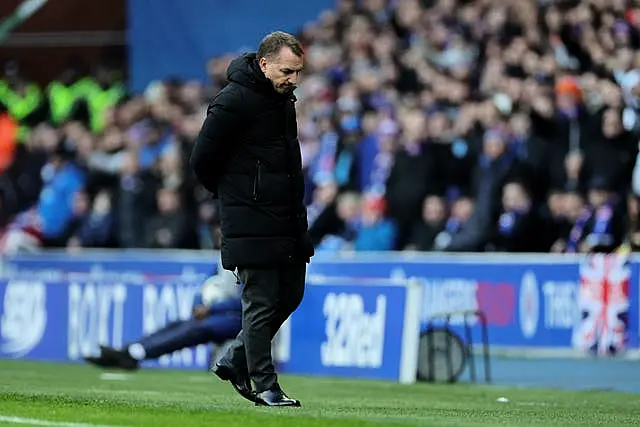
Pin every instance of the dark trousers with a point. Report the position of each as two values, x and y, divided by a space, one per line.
189 333
269 296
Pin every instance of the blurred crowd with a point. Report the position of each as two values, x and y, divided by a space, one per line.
428 125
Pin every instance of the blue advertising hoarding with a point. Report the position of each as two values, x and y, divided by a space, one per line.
60 307
351 323
530 301
365 330
67 320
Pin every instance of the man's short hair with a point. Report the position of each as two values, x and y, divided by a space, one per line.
271 45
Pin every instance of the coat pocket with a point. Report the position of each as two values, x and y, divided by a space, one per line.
256 181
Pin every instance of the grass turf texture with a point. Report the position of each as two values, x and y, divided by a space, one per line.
78 393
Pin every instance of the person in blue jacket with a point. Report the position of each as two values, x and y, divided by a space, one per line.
62 178
217 317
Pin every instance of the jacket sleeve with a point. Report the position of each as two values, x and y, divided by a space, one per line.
220 129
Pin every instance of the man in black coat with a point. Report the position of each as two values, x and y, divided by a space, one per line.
247 154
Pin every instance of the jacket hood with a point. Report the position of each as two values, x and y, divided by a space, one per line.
245 71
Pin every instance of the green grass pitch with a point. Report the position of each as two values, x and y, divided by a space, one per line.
59 395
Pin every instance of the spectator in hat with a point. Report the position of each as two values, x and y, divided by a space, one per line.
566 124
374 231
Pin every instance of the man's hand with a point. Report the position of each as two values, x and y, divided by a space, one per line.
200 312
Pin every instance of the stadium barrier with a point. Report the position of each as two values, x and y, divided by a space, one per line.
353 321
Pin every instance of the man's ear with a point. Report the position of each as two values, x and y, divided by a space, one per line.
263 63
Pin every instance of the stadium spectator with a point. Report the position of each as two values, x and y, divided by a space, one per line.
518 226
80 211
374 232
95 228
170 227
564 209
62 179
432 223
400 99
600 225
461 212
335 227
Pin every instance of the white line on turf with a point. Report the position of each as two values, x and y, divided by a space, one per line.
114 377
46 423
136 392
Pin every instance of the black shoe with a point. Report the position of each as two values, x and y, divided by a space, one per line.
102 362
114 359
240 382
275 397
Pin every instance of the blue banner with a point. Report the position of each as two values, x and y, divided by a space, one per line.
365 330
61 307
588 303
66 321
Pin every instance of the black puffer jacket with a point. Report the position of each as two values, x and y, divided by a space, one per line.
248 155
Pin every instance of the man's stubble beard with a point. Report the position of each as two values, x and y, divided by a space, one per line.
286 89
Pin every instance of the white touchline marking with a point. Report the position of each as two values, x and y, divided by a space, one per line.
46 423
114 377
147 392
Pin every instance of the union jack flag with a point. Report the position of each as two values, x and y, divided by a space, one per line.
603 302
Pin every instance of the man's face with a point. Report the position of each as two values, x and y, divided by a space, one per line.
283 70
433 210
493 147
514 197
598 197
462 209
573 206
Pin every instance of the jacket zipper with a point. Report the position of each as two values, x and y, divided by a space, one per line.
256 181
